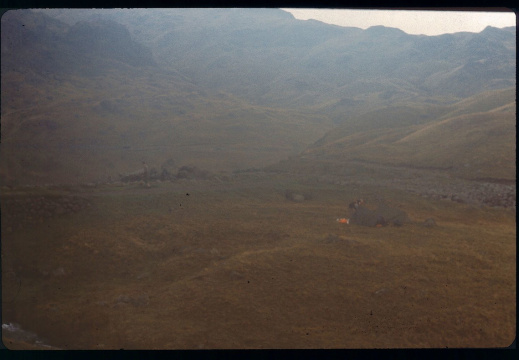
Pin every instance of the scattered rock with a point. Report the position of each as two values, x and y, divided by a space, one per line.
235 275
336 239
382 216
140 300
20 212
192 172
381 291
123 299
292 196
351 242
397 223
332 238
60 210
17 333
487 192
298 198
58 272
143 275
430 222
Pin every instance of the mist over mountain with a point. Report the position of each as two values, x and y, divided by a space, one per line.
269 57
107 39
87 94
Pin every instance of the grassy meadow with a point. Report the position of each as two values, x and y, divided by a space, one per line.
234 264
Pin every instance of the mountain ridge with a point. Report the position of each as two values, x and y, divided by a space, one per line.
248 79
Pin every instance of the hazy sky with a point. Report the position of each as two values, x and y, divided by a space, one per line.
410 21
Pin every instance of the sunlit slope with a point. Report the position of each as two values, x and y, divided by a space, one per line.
496 100
474 138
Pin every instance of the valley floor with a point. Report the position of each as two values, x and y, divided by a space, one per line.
234 264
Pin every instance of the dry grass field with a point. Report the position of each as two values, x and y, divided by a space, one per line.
235 265
263 129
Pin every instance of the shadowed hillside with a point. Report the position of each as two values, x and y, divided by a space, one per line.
72 112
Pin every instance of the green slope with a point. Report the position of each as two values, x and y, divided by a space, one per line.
474 138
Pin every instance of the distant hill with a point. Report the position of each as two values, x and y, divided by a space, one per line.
89 93
35 41
268 57
473 138
74 114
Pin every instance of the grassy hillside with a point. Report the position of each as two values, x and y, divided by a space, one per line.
93 96
72 115
84 129
473 138
236 265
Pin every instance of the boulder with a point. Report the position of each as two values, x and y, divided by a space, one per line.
296 197
430 222
364 216
384 215
292 196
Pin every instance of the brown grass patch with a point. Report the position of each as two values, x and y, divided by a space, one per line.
245 268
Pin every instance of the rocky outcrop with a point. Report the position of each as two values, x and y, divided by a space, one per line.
436 186
430 222
383 215
292 196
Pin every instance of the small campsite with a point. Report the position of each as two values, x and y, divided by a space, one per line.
253 261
